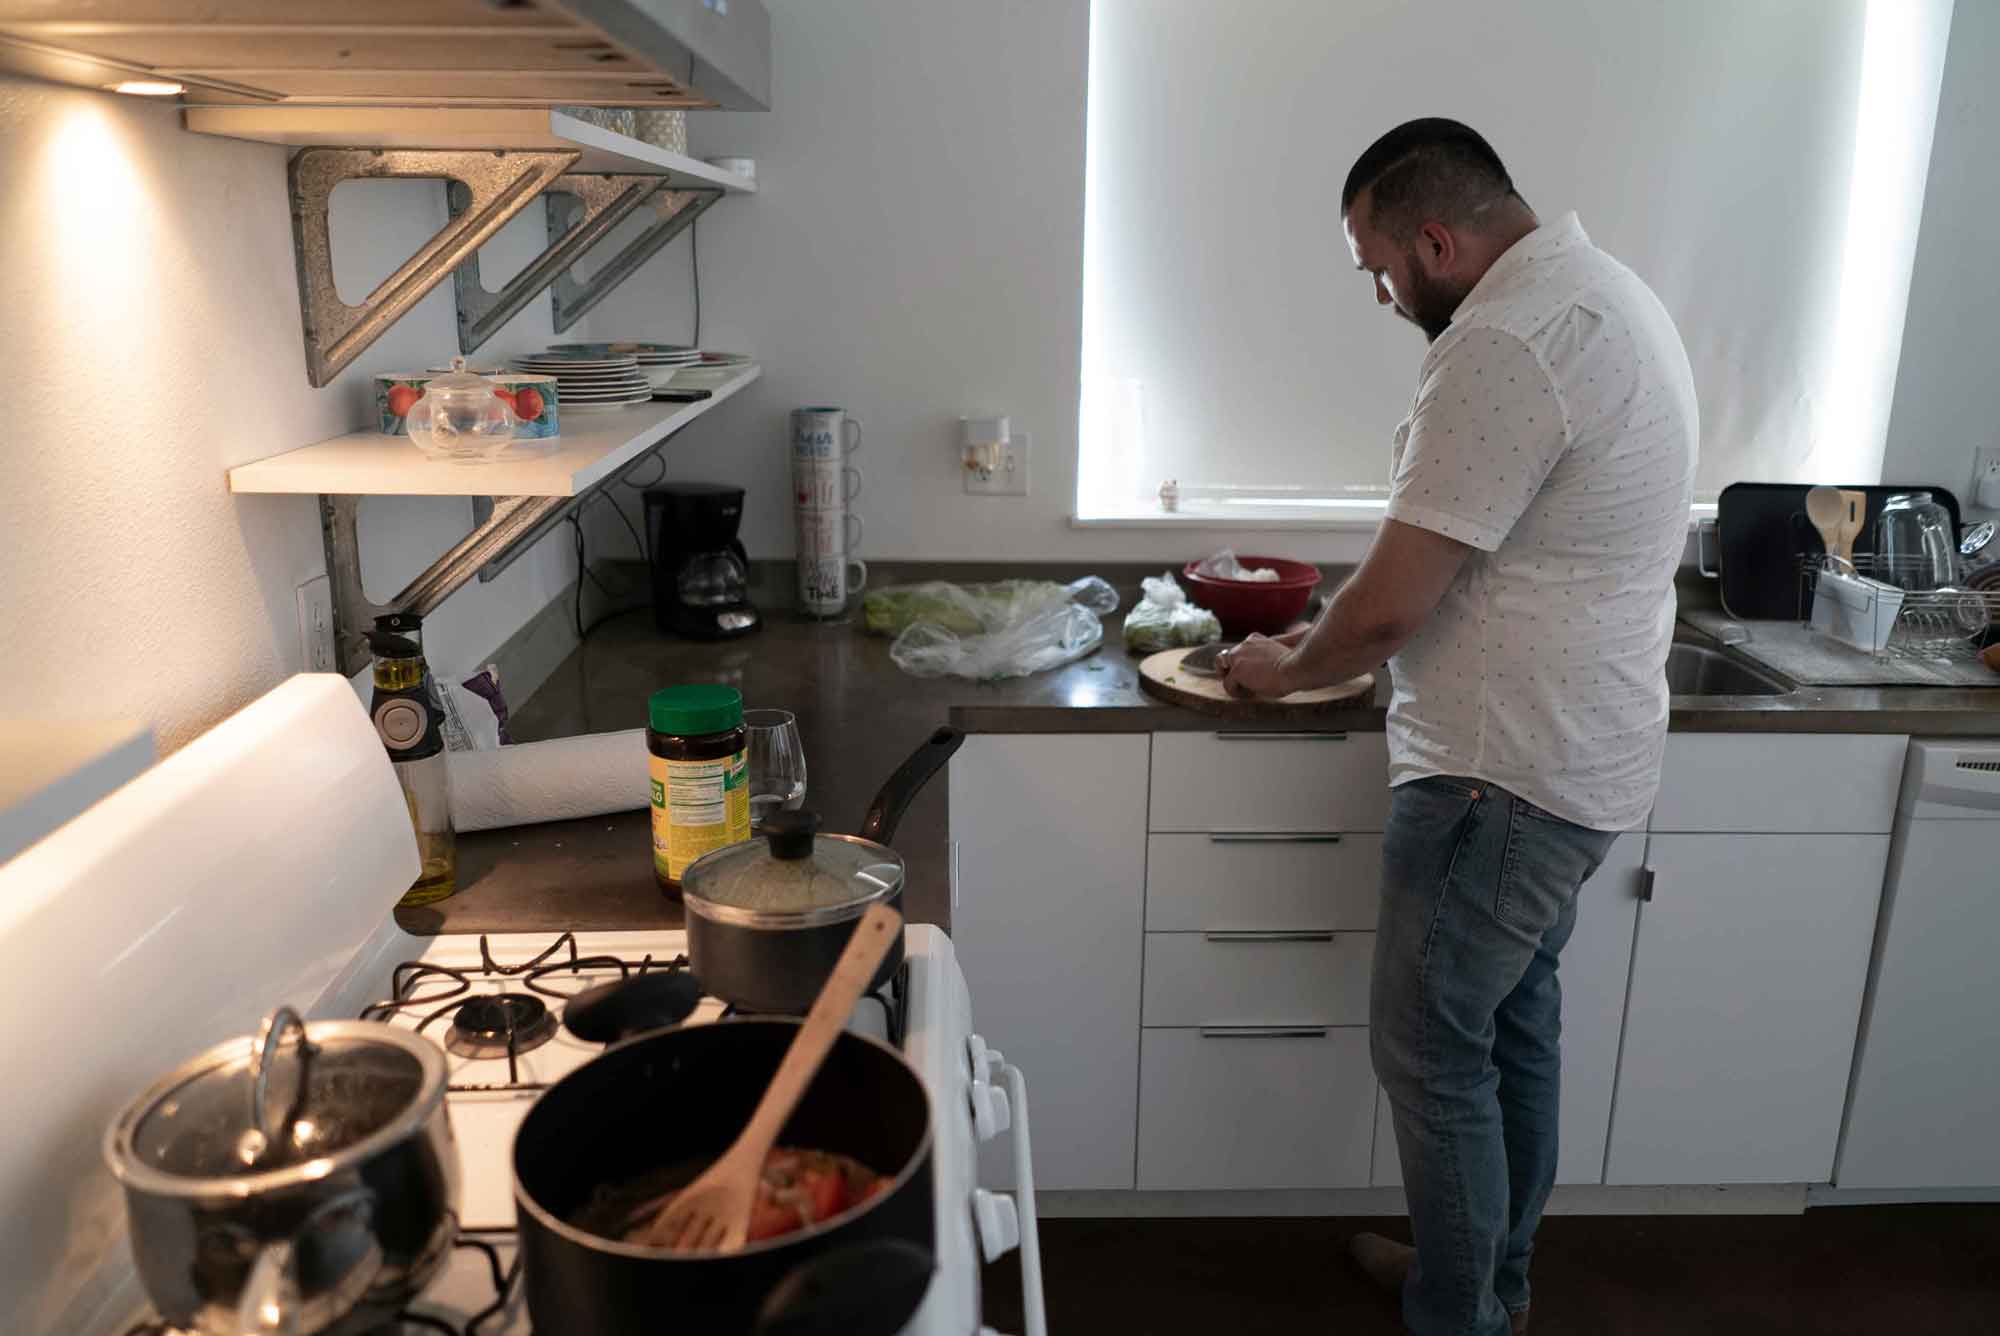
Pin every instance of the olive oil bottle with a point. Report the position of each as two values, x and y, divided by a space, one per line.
409 718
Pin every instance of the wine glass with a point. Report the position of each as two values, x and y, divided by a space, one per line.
777 762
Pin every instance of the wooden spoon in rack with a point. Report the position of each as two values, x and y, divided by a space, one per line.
1826 507
1850 528
712 1214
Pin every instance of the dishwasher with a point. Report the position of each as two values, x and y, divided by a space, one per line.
1924 1100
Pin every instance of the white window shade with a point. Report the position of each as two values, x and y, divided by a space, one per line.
1712 145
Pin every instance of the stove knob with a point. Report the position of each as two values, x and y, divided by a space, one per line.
998 1222
991 1112
985 1061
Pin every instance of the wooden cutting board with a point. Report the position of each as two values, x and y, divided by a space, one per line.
1160 675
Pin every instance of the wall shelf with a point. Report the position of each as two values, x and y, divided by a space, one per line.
462 129
592 447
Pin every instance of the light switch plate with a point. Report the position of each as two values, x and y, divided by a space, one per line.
1986 478
1010 478
316 625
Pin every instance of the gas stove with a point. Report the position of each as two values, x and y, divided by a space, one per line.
494 1003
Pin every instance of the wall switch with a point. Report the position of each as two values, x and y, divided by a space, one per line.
1009 476
1986 478
316 625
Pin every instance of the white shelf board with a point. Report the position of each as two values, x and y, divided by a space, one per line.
53 771
462 128
592 447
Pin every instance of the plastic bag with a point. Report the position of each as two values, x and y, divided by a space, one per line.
1224 566
1164 619
1029 631
967 610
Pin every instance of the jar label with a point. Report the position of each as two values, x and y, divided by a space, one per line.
698 807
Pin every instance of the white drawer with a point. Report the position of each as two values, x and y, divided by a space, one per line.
1760 783
1243 781
1257 978
1231 1109
1260 880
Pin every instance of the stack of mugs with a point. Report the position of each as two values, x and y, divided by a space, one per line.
824 486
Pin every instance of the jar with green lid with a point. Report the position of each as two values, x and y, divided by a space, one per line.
700 776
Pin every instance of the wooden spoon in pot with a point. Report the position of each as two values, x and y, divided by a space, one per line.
712 1214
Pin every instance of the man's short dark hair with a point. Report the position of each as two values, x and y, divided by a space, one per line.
1425 170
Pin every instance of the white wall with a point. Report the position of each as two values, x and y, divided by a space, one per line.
914 253
150 339
1945 407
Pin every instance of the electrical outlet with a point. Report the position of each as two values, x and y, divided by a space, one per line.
316 624
1986 478
1010 478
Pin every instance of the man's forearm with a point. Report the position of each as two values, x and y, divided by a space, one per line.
1341 645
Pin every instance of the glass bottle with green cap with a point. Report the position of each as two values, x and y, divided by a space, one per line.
700 776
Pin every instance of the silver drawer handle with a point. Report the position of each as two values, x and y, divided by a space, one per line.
1264 1031
1274 935
1282 737
1270 837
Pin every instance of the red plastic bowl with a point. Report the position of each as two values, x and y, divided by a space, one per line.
1247 607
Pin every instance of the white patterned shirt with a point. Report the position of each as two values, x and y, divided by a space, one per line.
1554 431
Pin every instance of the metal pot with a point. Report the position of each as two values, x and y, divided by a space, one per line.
650 1114
318 1203
767 920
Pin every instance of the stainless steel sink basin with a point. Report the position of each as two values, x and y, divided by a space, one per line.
1697 670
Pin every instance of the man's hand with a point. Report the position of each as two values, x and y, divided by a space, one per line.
1260 666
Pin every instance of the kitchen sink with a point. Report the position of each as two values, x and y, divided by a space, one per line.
1697 670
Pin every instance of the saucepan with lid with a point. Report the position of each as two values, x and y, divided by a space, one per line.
308 1188
766 920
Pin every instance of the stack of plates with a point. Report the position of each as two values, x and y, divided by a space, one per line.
587 382
658 361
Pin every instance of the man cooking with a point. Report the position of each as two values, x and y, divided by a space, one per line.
1521 590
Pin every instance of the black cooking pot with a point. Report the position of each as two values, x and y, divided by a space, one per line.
767 920
651 1114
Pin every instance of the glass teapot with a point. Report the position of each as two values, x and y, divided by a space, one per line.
461 418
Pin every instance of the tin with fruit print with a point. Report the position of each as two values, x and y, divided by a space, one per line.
531 398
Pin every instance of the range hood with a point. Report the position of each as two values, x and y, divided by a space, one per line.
433 53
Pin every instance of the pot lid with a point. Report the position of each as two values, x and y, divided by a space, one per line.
252 1108
793 876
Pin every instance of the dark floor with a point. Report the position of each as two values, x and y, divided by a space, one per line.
1833 1271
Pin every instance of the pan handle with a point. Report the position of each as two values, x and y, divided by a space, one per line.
886 812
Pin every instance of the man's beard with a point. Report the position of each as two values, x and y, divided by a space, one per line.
1432 303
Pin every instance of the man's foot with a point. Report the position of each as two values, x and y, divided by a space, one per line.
1388 1263
1384 1261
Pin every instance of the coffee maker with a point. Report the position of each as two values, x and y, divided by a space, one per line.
701 574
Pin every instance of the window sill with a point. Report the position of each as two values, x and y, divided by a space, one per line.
1357 517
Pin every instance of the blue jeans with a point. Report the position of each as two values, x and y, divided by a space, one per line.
1478 897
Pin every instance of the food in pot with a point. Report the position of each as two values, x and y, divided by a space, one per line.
798 1189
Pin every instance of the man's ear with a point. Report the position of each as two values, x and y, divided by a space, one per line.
1436 244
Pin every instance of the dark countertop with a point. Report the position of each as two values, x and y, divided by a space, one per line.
860 715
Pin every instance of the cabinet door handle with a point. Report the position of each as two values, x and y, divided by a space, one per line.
1648 878
1282 737
1264 1031
1269 837
1273 935
953 877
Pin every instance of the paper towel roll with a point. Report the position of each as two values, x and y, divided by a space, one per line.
549 781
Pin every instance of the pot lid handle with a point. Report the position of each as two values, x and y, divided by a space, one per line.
791 834
266 1049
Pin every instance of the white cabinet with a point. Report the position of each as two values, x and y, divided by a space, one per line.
1774 784
1251 781
1592 970
1741 1016
1231 880
1255 1107
1048 918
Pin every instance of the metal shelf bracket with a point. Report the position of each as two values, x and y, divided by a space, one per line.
582 209
498 184
673 211
511 519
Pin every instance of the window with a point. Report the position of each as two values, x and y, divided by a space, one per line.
1760 165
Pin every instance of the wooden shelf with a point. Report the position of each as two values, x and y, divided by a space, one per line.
592 447
462 128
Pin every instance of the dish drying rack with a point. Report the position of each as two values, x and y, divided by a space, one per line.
1929 623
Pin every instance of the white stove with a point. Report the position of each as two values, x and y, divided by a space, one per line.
425 984
257 866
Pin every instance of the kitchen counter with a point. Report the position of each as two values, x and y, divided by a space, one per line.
860 715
